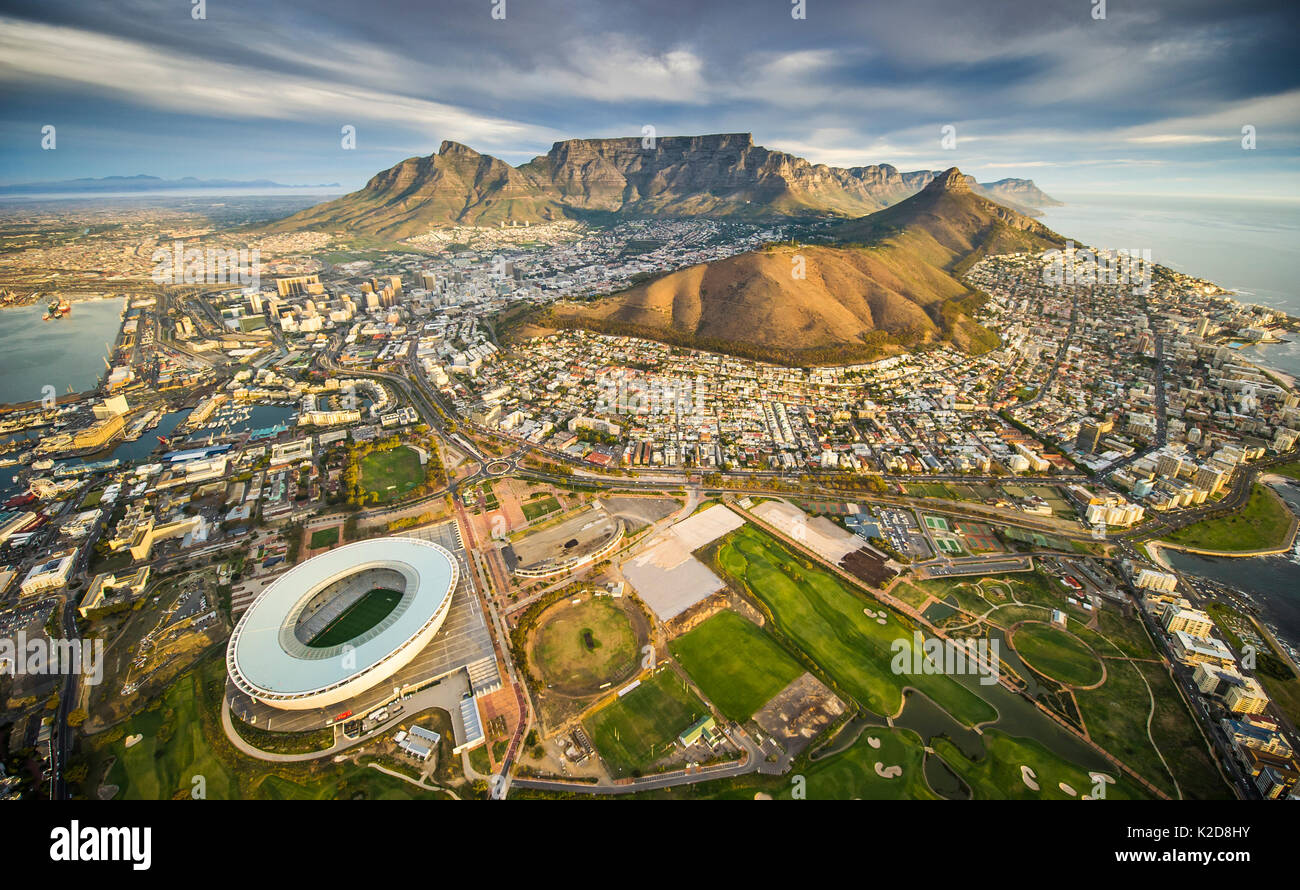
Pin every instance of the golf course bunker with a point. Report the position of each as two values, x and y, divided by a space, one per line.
1056 653
579 648
1028 776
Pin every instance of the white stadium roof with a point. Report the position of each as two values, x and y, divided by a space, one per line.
267 660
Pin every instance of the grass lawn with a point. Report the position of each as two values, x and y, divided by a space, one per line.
172 751
1115 715
853 774
997 774
534 509
824 618
390 474
913 596
1057 653
370 609
585 645
182 738
324 537
1263 523
1175 731
735 663
640 728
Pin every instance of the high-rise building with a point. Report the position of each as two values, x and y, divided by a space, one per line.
1089 436
1169 465
1246 697
1210 479
299 285
1192 622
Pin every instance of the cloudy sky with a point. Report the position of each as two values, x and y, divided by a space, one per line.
1152 98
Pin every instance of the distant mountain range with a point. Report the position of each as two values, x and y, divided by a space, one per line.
715 175
887 280
144 183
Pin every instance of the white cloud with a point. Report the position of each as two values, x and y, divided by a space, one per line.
1177 139
33 53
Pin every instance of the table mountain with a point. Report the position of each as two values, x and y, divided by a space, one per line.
716 175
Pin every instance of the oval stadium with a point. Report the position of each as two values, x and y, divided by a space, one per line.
341 622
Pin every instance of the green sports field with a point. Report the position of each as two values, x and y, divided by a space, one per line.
735 664
634 731
824 618
324 537
370 609
540 507
580 647
390 474
1057 653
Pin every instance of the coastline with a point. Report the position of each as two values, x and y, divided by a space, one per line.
1268 479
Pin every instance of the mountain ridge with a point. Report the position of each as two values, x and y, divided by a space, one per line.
721 175
142 182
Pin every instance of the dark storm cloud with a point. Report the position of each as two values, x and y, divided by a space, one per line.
1034 88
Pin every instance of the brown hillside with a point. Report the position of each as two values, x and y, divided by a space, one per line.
896 280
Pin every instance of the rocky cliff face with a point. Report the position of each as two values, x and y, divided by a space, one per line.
723 174
720 174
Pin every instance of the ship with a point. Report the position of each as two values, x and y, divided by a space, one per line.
57 309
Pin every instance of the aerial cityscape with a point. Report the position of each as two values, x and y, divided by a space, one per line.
736 403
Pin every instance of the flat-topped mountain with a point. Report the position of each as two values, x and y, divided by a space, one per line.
893 279
716 175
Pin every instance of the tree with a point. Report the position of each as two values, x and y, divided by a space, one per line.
77 717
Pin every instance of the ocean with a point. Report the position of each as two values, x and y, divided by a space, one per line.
1248 246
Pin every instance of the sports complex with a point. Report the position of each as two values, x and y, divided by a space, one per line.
342 622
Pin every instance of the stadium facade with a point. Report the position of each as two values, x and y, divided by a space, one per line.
274 655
